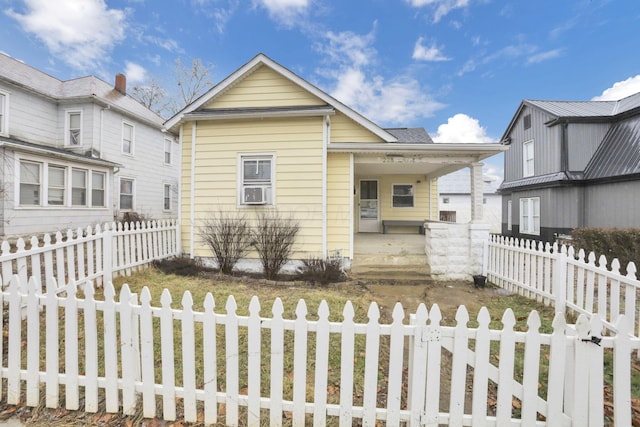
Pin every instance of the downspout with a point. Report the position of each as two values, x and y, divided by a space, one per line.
326 131
192 221
351 205
179 162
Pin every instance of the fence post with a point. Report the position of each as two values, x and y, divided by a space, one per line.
559 280
107 254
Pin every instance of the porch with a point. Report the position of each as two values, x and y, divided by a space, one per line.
390 255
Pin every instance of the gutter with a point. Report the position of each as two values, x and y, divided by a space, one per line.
326 132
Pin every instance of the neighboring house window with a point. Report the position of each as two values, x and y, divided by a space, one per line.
55 185
4 116
97 189
257 179
527 159
445 200
448 216
29 183
78 187
167 197
527 121
530 215
126 194
168 144
509 216
484 200
128 135
402 196
73 134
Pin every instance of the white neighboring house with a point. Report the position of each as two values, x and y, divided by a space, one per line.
454 200
79 152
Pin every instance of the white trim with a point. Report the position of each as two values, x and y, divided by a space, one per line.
262 59
192 221
525 170
133 193
262 114
132 144
509 215
480 150
326 123
67 127
530 227
164 153
241 157
351 205
179 232
413 195
4 126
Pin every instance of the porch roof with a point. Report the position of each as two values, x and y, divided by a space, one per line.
432 160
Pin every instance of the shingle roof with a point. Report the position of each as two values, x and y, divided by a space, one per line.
411 135
619 152
20 74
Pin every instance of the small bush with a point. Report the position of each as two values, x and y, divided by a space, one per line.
621 243
228 237
132 217
323 271
180 266
273 238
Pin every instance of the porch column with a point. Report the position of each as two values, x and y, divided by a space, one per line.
477 191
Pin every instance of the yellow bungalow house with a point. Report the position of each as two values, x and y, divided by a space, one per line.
339 175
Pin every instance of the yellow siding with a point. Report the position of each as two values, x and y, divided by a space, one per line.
297 145
264 88
343 129
434 200
339 199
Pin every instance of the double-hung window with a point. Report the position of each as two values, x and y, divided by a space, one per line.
128 137
79 187
167 197
530 215
402 196
73 128
168 145
4 113
126 194
29 183
97 189
257 174
55 185
527 159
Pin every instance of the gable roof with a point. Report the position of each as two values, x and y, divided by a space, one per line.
88 87
410 135
263 60
578 110
619 152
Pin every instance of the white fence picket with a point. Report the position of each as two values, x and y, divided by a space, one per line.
480 375
322 359
254 344
168 358
504 401
233 363
459 368
531 372
434 360
127 355
91 350
371 367
277 361
347 336
147 355
210 350
71 384
300 365
33 343
396 359
188 359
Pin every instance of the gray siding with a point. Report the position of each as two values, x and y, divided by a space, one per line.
613 204
31 118
546 145
584 139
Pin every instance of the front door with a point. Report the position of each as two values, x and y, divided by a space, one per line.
369 207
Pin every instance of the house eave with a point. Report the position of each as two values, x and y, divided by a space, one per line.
258 113
482 151
55 153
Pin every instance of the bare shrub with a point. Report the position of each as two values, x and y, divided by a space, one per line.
273 238
319 270
228 237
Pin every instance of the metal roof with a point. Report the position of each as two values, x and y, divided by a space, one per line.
29 78
535 180
587 108
618 153
410 135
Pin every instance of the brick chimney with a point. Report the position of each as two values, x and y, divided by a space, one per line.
121 83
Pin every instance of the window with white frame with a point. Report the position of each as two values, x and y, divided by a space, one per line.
97 189
4 113
55 185
527 159
257 174
168 148
402 196
509 216
128 137
73 127
126 194
530 215
29 183
167 197
79 187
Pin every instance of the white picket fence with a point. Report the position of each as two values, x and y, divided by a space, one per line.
569 280
223 367
93 253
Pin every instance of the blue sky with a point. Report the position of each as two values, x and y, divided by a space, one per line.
458 68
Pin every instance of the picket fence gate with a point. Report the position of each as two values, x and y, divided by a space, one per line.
95 253
129 368
557 274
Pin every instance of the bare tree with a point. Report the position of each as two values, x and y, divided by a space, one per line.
273 238
192 82
153 96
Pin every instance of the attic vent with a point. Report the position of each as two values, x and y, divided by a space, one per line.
527 121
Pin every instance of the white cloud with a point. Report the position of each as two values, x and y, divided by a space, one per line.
81 33
442 7
431 53
462 129
620 90
351 65
285 12
544 56
509 52
221 11
135 73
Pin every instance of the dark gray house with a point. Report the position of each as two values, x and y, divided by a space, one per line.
571 164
